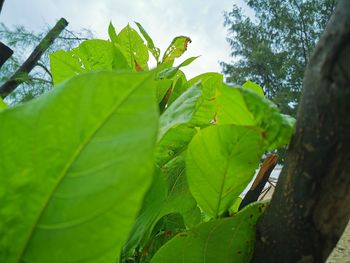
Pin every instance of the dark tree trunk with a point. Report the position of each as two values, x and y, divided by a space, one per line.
311 204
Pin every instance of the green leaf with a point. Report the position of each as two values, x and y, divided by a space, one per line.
181 111
3 105
90 55
176 48
278 128
154 50
79 177
224 240
180 85
220 162
169 73
112 33
173 143
245 107
188 61
232 107
179 199
254 87
168 194
148 215
207 106
131 45
162 88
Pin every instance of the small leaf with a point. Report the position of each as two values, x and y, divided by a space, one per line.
177 47
154 50
169 73
112 33
254 87
228 240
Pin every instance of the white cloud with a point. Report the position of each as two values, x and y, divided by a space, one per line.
202 21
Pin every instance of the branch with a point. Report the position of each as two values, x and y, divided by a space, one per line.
5 53
30 63
310 207
41 65
260 181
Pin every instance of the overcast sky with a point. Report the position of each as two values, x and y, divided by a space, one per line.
202 21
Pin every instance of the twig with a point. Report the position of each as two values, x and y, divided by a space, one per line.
41 65
30 63
260 181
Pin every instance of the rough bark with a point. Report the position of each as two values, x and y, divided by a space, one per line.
310 208
20 75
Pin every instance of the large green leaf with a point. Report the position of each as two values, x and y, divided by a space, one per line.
135 51
220 162
90 55
75 165
228 240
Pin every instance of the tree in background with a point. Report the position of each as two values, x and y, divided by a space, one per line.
273 49
23 41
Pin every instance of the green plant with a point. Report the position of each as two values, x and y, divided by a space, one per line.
123 163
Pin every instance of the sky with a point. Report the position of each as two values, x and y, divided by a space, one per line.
202 21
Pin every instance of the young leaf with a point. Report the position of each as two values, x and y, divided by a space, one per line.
131 45
154 50
169 73
176 48
222 240
112 33
72 179
220 162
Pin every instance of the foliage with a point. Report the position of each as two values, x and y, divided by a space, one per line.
123 163
23 41
273 48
